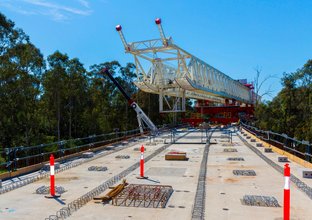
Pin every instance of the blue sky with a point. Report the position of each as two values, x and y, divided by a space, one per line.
235 36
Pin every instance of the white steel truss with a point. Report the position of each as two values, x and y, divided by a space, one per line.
176 73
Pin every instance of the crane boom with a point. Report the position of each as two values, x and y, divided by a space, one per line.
142 117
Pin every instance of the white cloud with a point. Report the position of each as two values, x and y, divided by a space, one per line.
55 14
58 7
58 12
18 9
84 3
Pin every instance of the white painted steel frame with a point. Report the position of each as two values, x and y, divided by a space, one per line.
175 72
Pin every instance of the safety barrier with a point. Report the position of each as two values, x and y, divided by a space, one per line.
27 156
301 149
18 157
40 176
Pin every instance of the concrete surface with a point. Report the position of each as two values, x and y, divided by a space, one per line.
224 190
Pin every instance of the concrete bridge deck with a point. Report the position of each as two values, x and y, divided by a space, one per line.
224 190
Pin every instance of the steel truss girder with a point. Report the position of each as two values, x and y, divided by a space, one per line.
174 69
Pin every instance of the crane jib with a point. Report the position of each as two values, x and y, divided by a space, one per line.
142 117
105 71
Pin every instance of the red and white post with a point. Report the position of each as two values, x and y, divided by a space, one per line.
52 180
142 162
287 192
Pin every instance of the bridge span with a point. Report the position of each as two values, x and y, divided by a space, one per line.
227 177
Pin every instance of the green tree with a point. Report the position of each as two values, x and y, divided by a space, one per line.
100 116
21 65
290 111
76 97
65 96
54 91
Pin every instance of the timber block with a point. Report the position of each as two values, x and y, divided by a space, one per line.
176 156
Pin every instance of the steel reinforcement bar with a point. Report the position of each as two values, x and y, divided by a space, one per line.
299 184
198 212
75 205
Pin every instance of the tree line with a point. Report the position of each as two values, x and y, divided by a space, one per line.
54 99
290 112
46 100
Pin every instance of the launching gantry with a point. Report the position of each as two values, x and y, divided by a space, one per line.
177 73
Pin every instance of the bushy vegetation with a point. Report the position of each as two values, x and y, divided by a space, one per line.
54 99
49 100
290 112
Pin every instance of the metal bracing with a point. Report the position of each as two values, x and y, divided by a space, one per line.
172 103
174 69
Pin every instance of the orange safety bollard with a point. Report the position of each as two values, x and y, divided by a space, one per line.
142 165
52 180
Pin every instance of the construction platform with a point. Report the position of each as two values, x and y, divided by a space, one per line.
238 184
